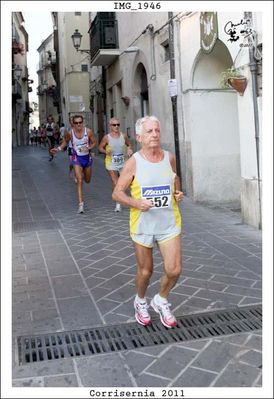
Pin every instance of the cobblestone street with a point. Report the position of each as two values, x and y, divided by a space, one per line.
72 272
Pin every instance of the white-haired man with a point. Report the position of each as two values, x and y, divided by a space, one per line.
154 217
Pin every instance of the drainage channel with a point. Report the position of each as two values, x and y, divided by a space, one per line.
127 336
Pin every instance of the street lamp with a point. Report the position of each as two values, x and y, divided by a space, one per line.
76 40
18 72
26 79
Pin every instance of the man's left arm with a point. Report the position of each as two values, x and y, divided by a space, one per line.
92 140
178 194
55 128
128 144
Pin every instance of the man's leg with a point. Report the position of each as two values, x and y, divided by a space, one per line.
114 175
144 268
50 146
70 166
87 172
78 171
171 253
144 272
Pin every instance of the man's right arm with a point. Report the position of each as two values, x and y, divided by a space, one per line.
67 138
124 181
102 145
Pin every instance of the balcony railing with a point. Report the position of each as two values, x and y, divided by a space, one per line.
103 35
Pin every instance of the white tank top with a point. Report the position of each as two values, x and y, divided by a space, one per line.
50 128
116 160
154 181
80 145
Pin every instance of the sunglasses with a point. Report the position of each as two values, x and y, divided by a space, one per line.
78 123
115 124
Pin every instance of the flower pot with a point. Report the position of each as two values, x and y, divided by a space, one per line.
239 84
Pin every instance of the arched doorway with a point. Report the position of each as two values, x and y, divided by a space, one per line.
141 92
213 120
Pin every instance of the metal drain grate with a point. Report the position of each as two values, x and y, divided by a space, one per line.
114 338
25 227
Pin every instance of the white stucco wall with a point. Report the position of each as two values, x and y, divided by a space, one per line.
131 25
211 151
74 82
215 147
218 167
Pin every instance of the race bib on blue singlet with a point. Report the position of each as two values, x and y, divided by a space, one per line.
81 149
160 195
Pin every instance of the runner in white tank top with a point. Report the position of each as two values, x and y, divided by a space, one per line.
154 217
51 129
117 147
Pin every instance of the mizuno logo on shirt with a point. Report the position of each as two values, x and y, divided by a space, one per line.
155 190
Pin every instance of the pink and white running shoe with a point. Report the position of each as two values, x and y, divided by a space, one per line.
166 316
141 314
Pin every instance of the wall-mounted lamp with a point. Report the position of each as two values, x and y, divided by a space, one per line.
132 50
18 72
76 40
25 79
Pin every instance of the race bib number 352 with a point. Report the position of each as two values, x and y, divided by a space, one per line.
160 195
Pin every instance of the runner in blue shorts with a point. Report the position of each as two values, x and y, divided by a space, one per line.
82 142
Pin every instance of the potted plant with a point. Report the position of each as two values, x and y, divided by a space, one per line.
232 77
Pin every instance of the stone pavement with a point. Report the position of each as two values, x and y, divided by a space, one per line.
75 271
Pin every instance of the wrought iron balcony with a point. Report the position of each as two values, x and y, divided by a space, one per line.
104 39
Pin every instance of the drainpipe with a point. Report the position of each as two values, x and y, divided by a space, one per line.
104 84
174 98
253 70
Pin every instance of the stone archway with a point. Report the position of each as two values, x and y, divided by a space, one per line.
213 124
140 92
